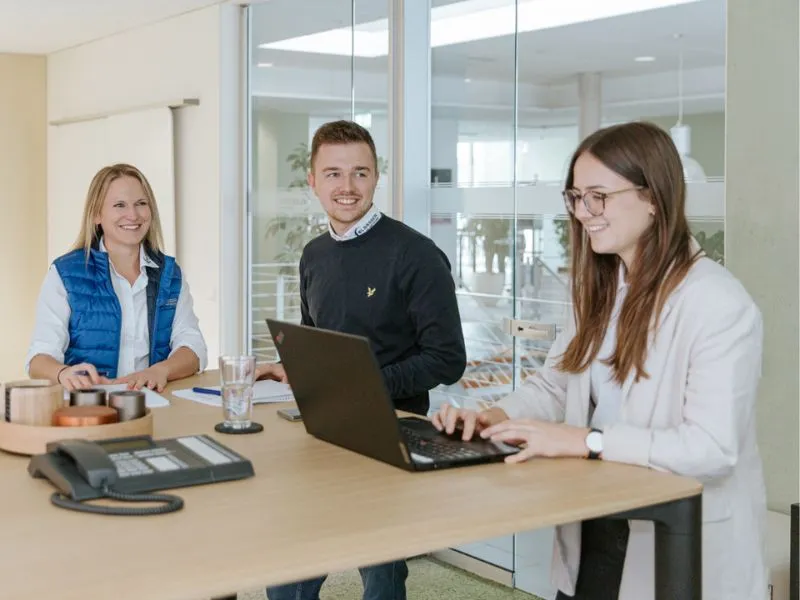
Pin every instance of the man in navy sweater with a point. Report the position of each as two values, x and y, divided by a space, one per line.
373 276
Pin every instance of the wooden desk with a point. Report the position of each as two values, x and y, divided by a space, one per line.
314 508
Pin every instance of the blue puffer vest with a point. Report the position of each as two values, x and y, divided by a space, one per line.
95 321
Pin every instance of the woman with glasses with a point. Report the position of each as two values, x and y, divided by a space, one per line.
659 367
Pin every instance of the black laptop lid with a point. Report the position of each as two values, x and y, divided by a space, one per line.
339 390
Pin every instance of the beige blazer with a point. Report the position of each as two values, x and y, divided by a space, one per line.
694 416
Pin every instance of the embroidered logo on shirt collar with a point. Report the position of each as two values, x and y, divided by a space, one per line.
363 225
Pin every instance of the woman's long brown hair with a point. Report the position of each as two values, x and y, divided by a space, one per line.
645 155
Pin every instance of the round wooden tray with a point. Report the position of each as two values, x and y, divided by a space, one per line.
32 439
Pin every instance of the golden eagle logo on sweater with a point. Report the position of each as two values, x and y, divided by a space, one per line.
370 292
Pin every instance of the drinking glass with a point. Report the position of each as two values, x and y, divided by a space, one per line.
236 380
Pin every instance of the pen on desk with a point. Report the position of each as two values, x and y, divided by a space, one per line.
200 390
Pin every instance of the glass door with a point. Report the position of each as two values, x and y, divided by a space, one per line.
472 206
302 73
514 85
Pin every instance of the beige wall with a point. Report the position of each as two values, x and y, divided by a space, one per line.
761 226
23 168
172 59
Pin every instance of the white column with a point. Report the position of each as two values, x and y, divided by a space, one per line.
234 239
761 214
410 112
591 103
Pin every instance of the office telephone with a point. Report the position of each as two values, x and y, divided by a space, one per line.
126 469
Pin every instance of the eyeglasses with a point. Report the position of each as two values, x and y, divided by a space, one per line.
594 201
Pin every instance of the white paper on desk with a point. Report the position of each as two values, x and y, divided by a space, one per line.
264 392
151 399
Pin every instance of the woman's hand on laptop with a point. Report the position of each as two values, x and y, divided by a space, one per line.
271 371
540 438
449 418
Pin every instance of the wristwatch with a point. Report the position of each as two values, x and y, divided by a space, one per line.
594 442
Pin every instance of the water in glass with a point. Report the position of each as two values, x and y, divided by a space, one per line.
237 404
236 380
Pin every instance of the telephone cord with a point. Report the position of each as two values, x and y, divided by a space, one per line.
169 502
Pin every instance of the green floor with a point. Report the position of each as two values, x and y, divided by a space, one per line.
427 580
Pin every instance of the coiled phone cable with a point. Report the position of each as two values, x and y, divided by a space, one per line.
170 503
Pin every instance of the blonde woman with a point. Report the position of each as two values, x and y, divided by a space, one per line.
116 309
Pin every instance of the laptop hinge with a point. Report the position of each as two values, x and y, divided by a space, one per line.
405 452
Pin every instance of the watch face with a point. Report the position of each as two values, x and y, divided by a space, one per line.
594 441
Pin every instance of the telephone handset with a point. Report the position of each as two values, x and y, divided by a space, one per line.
90 460
82 470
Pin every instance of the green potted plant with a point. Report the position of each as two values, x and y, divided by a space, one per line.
713 245
562 229
494 234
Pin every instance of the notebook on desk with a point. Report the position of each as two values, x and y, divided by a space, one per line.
340 392
266 391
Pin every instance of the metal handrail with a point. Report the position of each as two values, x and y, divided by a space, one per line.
538 260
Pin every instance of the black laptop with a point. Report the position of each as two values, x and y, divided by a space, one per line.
340 392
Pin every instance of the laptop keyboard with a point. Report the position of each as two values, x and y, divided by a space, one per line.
444 450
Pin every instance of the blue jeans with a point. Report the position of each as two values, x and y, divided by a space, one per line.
381 582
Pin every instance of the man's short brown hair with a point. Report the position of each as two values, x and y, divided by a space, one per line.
342 132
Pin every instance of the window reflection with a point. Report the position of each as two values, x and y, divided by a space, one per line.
307 67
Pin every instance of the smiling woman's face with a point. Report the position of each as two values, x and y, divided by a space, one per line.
627 214
125 216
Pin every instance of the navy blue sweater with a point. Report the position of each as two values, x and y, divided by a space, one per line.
393 286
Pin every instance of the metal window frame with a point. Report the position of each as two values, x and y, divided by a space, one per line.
409 109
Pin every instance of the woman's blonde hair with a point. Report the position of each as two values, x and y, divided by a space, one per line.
90 233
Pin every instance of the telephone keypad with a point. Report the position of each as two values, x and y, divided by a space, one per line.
128 465
136 463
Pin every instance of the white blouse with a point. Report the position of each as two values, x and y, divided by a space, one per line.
606 394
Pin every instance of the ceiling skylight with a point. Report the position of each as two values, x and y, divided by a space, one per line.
467 21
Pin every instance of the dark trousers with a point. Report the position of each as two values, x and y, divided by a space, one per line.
381 582
603 546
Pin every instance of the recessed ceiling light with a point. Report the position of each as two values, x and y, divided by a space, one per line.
467 80
264 65
644 58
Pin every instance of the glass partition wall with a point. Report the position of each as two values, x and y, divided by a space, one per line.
311 61
509 88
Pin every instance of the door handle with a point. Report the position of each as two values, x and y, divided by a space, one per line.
543 332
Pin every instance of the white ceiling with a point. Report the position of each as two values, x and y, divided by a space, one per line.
608 46
549 59
45 26
547 56
548 63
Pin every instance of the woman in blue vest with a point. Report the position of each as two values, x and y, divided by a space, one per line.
116 309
